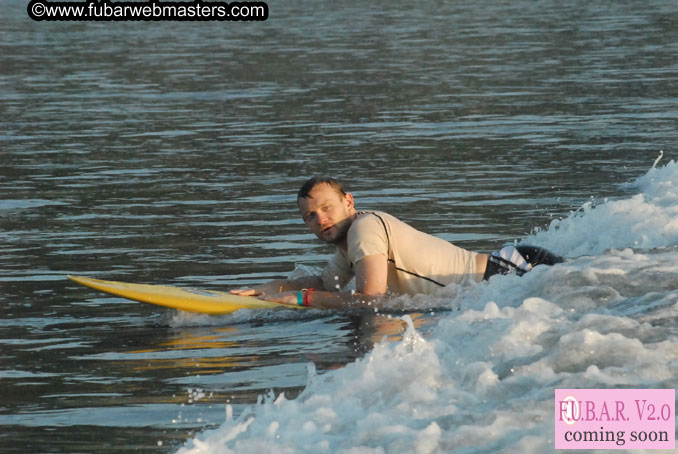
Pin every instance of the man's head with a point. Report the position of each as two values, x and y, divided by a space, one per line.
326 209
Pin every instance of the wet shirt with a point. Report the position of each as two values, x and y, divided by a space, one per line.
418 263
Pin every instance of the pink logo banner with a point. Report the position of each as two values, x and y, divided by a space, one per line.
615 419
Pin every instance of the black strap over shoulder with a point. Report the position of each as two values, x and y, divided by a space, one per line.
392 260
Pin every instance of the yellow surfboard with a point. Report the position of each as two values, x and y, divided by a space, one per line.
191 300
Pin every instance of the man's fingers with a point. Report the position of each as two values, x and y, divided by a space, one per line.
244 292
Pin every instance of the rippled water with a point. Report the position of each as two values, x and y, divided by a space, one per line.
171 152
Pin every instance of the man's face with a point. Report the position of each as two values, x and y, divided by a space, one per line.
327 213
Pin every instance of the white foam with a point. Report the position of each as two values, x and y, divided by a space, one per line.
484 379
647 220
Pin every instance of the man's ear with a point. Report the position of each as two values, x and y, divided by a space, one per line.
349 200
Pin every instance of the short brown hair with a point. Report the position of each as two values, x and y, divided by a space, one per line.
315 181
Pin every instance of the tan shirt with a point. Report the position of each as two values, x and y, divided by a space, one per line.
417 262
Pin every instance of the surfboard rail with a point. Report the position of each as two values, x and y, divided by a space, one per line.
185 299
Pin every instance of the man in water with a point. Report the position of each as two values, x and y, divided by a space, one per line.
384 254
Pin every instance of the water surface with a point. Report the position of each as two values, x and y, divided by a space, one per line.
170 153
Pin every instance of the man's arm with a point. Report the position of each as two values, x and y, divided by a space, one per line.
370 272
281 285
370 275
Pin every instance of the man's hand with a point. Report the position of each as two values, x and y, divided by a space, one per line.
246 292
281 286
263 289
289 298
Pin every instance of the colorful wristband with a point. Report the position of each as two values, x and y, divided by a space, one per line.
300 298
306 301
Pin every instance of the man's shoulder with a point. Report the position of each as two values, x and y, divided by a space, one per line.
368 220
382 224
375 216
375 224
367 235
380 219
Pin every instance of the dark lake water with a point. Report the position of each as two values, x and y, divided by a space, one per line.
170 153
